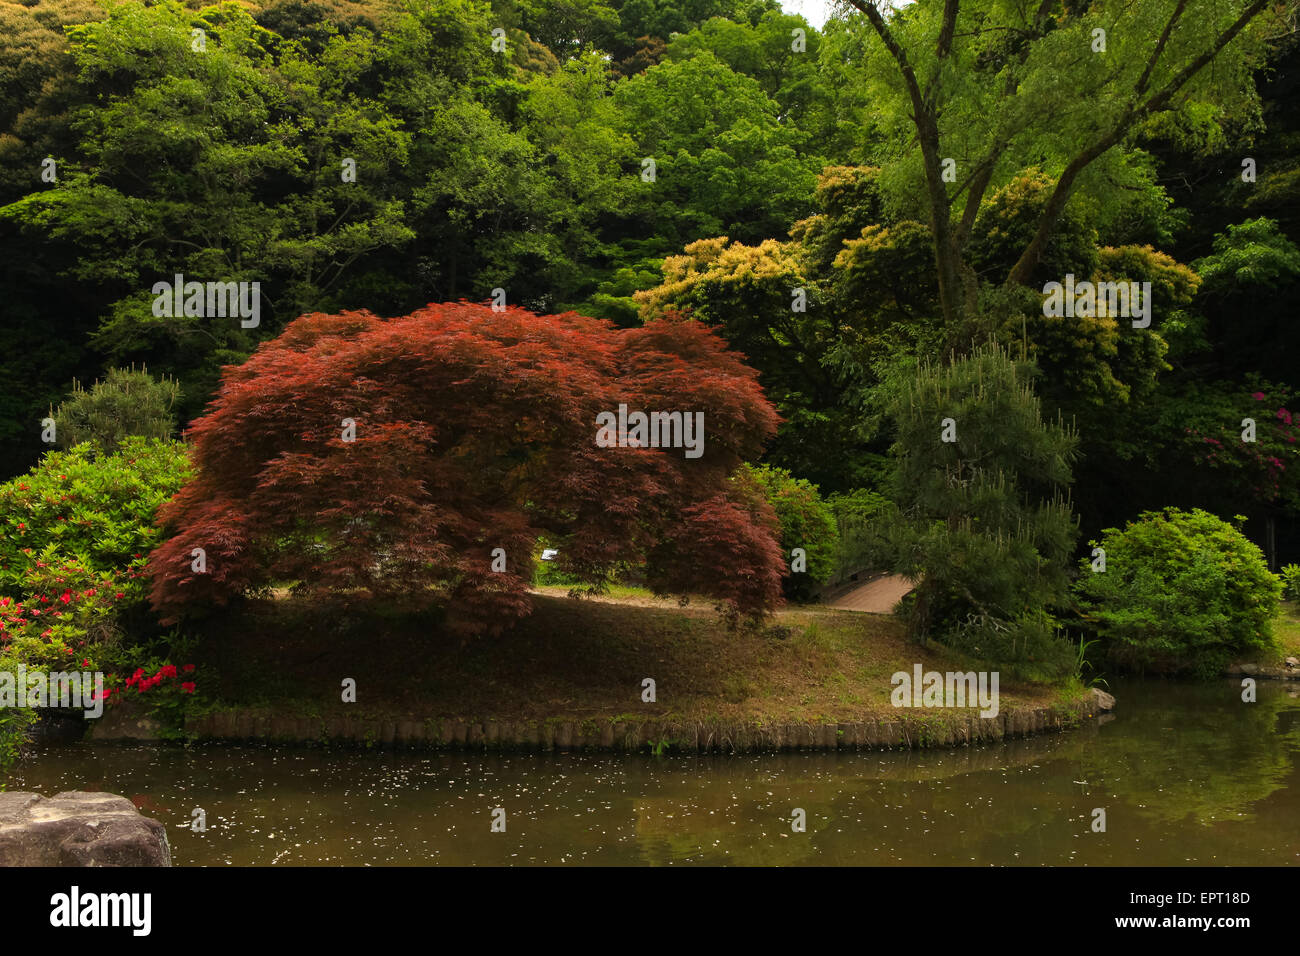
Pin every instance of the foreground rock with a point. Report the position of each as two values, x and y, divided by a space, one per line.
78 829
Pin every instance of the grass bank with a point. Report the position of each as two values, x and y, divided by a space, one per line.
278 667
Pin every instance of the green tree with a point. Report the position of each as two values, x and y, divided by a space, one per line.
725 164
769 308
983 89
988 533
125 403
766 52
1248 286
220 157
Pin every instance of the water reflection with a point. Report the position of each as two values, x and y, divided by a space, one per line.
1187 775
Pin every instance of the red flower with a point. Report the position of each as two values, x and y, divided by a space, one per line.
188 687
187 668
66 597
168 670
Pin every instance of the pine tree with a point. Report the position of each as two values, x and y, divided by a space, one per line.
987 527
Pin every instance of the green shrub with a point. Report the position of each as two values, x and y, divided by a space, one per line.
1183 591
68 616
14 725
806 522
1291 582
98 509
126 403
548 574
1029 646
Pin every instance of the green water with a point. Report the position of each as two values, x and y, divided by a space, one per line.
1187 774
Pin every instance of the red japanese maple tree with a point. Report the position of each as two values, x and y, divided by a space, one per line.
471 430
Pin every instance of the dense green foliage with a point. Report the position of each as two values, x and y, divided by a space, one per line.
1291 582
1181 591
867 525
807 522
93 508
839 220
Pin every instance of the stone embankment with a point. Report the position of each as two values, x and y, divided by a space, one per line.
911 729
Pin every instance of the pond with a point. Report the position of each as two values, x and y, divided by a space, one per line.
1186 774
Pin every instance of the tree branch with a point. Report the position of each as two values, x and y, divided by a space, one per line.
944 46
1159 48
1065 184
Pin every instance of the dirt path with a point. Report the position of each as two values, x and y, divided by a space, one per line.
878 596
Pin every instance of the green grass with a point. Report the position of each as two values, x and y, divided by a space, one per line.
1286 630
572 660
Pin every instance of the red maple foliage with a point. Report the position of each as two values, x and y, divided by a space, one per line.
474 430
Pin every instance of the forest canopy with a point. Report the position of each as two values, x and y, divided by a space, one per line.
847 207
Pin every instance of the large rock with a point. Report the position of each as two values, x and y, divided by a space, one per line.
78 829
1102 700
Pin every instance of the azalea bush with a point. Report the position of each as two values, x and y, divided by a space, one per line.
1268 468
164 689
1183 591
94 509
67 620
70 620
